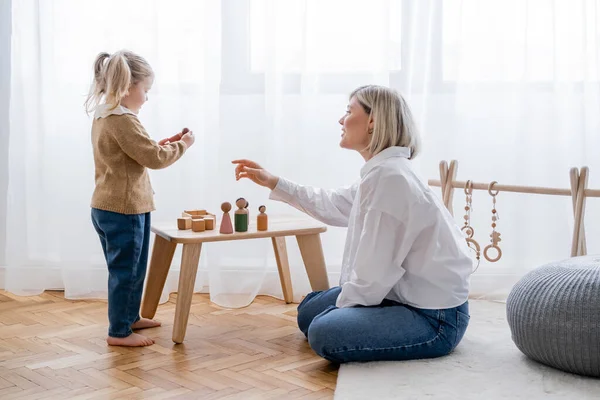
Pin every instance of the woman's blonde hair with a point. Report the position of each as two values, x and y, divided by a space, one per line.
393 121
114 75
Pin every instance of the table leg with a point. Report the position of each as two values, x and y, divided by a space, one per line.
283 266
162 255
187 278
314 260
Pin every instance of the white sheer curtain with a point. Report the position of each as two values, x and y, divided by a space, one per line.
509 88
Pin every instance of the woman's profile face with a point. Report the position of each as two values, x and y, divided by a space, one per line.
355 127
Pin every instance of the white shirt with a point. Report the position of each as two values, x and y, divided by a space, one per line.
402 244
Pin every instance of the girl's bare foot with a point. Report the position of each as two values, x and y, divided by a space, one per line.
144 323
133 340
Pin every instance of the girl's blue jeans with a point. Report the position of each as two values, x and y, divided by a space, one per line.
125 240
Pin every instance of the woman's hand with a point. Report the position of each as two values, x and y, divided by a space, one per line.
254 172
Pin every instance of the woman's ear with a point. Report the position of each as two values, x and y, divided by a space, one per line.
371 126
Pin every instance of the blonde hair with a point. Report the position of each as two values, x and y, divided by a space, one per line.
114 75
393 121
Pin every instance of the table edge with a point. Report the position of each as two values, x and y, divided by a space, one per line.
239 236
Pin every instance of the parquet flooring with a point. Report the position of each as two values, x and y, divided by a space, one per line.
52 348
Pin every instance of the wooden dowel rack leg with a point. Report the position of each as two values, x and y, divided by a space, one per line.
452 170
574 178
577 246
582 240
448 192
443 176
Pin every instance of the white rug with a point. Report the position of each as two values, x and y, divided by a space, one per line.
485 365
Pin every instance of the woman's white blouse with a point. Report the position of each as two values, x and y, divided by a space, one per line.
402 244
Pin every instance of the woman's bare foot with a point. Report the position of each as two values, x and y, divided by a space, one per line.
144 323
133 340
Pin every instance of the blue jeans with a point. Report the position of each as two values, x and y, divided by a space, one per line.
125 240
389 331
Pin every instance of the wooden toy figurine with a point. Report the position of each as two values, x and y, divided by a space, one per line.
262 221
226 220
241 216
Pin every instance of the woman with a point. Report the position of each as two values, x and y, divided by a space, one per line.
405 270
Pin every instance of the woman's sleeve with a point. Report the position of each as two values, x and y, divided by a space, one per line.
331 207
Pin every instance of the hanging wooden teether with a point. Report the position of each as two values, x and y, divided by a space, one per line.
467 228
495 235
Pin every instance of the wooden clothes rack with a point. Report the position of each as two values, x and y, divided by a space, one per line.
578 192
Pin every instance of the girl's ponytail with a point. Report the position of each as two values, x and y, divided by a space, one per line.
118 79
98 88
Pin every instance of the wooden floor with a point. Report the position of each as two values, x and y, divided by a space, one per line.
52 348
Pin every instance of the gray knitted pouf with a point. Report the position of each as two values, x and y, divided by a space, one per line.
554 315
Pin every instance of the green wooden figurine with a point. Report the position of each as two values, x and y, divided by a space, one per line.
241 216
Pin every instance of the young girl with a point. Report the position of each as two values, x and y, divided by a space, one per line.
123 197
405 271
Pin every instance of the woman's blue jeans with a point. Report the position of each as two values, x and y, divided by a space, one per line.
389 331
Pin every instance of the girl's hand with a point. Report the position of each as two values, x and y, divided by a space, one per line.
174 138
188 138
254 172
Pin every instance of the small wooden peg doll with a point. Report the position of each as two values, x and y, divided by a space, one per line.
262 221
226 220
241 216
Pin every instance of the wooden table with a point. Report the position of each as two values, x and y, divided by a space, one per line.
307 232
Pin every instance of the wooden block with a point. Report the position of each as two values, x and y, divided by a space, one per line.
184 223
198 225
195 212
186 215
209 222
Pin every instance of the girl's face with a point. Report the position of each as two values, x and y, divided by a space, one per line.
356 125
138 94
